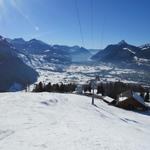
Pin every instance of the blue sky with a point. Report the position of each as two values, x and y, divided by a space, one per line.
56 21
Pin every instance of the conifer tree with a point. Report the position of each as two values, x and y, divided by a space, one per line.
85 89
62 88
40 87
89 88
147 97
48 87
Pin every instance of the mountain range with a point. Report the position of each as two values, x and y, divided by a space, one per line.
19 59
53 53
122 52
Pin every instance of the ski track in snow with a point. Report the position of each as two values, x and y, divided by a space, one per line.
43 121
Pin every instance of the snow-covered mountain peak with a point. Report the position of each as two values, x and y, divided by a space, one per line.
145 46
4 41
122 42
35 40
1 37
19 40
76 47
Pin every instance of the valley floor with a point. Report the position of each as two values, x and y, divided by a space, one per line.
81 73
50 121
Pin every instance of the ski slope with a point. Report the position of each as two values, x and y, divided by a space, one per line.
50 121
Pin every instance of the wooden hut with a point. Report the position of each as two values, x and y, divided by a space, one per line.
131 101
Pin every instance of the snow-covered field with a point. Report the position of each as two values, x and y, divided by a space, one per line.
79 73
49 121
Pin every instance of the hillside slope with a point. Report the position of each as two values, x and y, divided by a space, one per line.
68 122
12 69
121 52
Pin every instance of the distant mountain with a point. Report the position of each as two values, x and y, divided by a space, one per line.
121 52
79 54
62 54
75 53
37 47
53 53
12 69
145 51
94 51
32 46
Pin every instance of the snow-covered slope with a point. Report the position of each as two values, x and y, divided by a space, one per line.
121 52
44 121
12 69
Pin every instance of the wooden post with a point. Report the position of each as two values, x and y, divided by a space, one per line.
93 84
93 96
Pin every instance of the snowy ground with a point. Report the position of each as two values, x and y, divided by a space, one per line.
44 121
79 73
82 72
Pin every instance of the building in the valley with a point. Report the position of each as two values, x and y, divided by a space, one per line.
132 101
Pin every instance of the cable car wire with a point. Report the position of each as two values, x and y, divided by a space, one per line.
79 22
92 22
